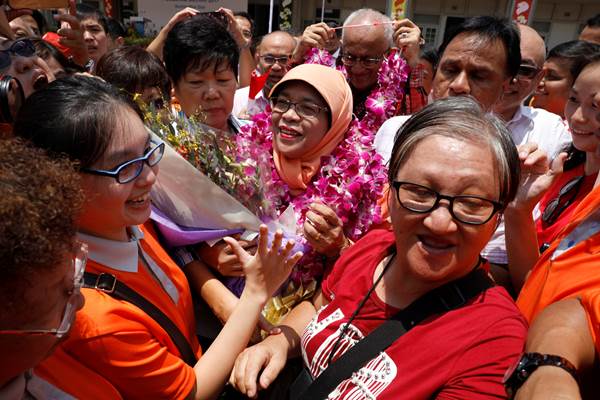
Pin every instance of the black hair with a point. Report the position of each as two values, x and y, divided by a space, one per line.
115 29
491 29
576 157
576 53
431 55
593 22
39 20
199 42
73 116
46 51
134 69
244 14
85 11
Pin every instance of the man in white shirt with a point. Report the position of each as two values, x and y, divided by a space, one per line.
274 51
479 59
527 124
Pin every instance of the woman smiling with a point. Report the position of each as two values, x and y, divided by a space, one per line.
135 337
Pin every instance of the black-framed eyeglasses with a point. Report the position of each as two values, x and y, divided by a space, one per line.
20 47
271 60
528 71
130 170
566 195
79 261
367 62
303 109
471 210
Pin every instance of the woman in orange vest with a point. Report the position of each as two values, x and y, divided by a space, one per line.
118 349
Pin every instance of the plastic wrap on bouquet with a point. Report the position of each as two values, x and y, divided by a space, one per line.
188 198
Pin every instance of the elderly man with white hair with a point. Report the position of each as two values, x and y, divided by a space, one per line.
364 47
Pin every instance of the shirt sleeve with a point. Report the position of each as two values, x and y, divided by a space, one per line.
137 365
479 372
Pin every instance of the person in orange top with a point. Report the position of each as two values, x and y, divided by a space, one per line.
115 349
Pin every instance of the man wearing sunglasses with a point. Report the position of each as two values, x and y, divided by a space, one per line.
41 265
273 55
527 124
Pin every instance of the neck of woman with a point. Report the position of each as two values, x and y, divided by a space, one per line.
592 163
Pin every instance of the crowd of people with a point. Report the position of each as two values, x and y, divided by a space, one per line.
433 224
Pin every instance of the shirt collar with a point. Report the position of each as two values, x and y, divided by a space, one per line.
121 256
522 112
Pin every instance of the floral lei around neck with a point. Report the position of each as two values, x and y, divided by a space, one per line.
351 179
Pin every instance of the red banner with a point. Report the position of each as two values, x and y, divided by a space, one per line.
522 11
108 8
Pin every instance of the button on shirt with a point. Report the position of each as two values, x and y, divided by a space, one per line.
551 134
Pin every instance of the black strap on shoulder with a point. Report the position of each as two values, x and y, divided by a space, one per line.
109 284
446 298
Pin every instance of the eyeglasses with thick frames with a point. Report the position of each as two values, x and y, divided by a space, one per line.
304 109
271 60
21 47
567 194
367 62
528 71
130 170
471 210
79 261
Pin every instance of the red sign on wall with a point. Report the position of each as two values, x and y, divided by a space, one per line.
108 8
522 11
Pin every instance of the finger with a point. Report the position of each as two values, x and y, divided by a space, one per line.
311 233
70 19
525 149
276 245
237 249
238 372
318 222
293 260
271 371
263 240
404 23
557 165
537 158
287 249
253 367
328 213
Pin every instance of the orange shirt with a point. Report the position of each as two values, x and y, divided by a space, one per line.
118 342
591 304
571 266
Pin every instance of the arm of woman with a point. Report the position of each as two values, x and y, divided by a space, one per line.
520 232
156 46
561 329
264 272
218 297
258 366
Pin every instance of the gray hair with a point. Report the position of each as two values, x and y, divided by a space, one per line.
463 118
368 15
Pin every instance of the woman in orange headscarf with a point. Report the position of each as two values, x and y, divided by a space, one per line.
321 165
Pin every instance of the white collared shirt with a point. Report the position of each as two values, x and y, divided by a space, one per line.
124 256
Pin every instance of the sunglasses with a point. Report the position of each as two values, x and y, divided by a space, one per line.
566 196
528 71
21 47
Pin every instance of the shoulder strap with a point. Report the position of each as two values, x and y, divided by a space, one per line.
109 284
451 296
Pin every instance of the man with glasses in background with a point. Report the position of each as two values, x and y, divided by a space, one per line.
527 124
364 48
41 265
273 55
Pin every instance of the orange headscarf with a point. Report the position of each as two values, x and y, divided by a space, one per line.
332 85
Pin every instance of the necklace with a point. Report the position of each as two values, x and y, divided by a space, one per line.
360 306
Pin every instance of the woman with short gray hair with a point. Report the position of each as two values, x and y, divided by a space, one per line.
453 170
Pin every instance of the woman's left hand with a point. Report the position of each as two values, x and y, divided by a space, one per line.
324 230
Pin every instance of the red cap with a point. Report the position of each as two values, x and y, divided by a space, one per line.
54 40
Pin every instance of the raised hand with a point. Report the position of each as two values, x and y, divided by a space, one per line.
267 270
407 36
536 175
71 36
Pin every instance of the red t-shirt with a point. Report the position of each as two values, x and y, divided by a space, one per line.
462 354
547 233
